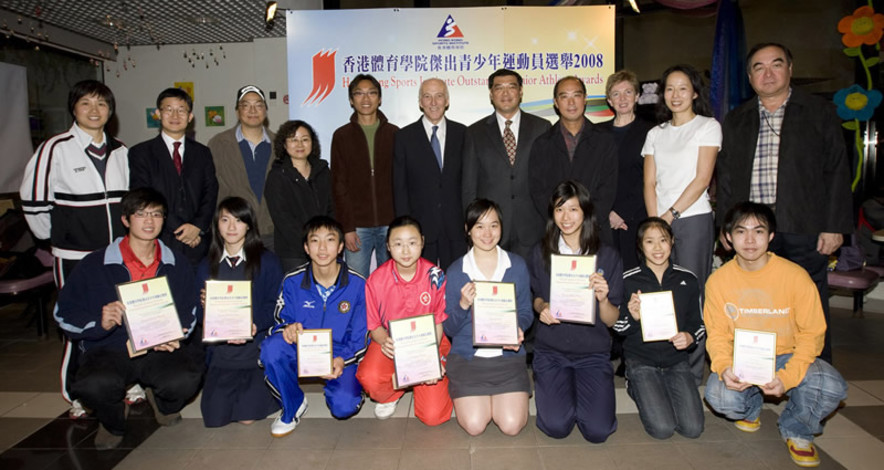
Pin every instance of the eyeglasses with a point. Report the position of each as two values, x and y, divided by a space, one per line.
505 87
168 111
150 214
258 106
360 93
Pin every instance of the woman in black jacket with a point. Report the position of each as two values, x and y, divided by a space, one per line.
298 188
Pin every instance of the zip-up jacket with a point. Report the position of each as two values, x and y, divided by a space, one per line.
65 199
343 312
93 284
686 299
363 193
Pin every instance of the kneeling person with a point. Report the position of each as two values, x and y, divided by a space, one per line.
760 291
89 312
321 294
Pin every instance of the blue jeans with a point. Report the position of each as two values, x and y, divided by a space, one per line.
667 399
810 402
373 239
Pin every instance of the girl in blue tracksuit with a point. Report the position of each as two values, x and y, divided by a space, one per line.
234 389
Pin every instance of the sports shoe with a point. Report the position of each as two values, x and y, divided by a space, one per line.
280 428
748 426
803 452
134 395
385 410
77 410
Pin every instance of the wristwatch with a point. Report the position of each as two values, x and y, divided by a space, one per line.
675 214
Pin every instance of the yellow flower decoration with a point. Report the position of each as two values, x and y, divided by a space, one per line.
864 26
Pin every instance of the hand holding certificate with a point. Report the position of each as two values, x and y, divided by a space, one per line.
570 297
228 311
150 314
417 352
495 322
755 355
315 353
658 316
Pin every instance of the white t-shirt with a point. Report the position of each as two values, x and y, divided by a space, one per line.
676 150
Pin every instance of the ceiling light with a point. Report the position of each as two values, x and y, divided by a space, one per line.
634 6
270 12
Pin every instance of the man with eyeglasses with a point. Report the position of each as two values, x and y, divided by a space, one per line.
784 149
362 175
89 311
243 156
495 162
181 169
575 149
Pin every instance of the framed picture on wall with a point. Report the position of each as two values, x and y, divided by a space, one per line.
186 86
153 118
214 116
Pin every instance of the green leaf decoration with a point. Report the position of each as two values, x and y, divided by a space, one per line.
849 125
871 61
852 51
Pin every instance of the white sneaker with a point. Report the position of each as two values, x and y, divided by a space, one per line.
134 395
77 410
280 428
385 410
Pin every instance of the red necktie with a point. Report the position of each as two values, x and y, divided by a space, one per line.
176 156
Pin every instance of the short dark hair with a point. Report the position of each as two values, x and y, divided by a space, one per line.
569 77
362 77
141 198
177 93
88 88
744 210
323 221
404 221
647 224
700 104
475 211
288 129
763 45
504 73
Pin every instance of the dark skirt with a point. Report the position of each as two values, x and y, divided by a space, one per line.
235 395
485 376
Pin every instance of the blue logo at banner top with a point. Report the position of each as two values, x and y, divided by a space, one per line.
449 29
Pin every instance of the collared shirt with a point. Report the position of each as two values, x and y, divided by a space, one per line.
226 258
84 139
572 140
564 249
137 270
514 125
763 185
170 145
440 132
240 137
471 269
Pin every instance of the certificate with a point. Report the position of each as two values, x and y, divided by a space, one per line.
150 316
417 353
315 353
658 316
495 322
755 354
228 312
570 297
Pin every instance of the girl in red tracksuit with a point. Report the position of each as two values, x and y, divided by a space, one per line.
404 286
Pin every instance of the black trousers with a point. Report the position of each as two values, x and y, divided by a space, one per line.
104 375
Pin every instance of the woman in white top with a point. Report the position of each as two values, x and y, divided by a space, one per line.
679 158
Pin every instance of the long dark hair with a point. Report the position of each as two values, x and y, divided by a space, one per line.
700 104
252 246
647 224
589 230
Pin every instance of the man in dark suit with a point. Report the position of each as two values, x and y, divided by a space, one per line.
427 162
182 170
496 167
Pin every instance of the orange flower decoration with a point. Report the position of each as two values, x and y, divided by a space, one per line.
864 26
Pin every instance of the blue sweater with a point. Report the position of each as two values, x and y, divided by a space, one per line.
265 289
459 325
343 312
93 283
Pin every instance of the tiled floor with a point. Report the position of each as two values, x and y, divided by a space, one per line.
36 434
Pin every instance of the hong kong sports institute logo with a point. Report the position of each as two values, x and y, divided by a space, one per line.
449 29
450 36
323 76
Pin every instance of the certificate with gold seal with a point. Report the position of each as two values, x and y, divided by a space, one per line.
658 316
495 320
755 356
570 297
416 357
150 316
228 312
315 353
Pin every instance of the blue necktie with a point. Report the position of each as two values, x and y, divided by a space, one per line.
437 149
